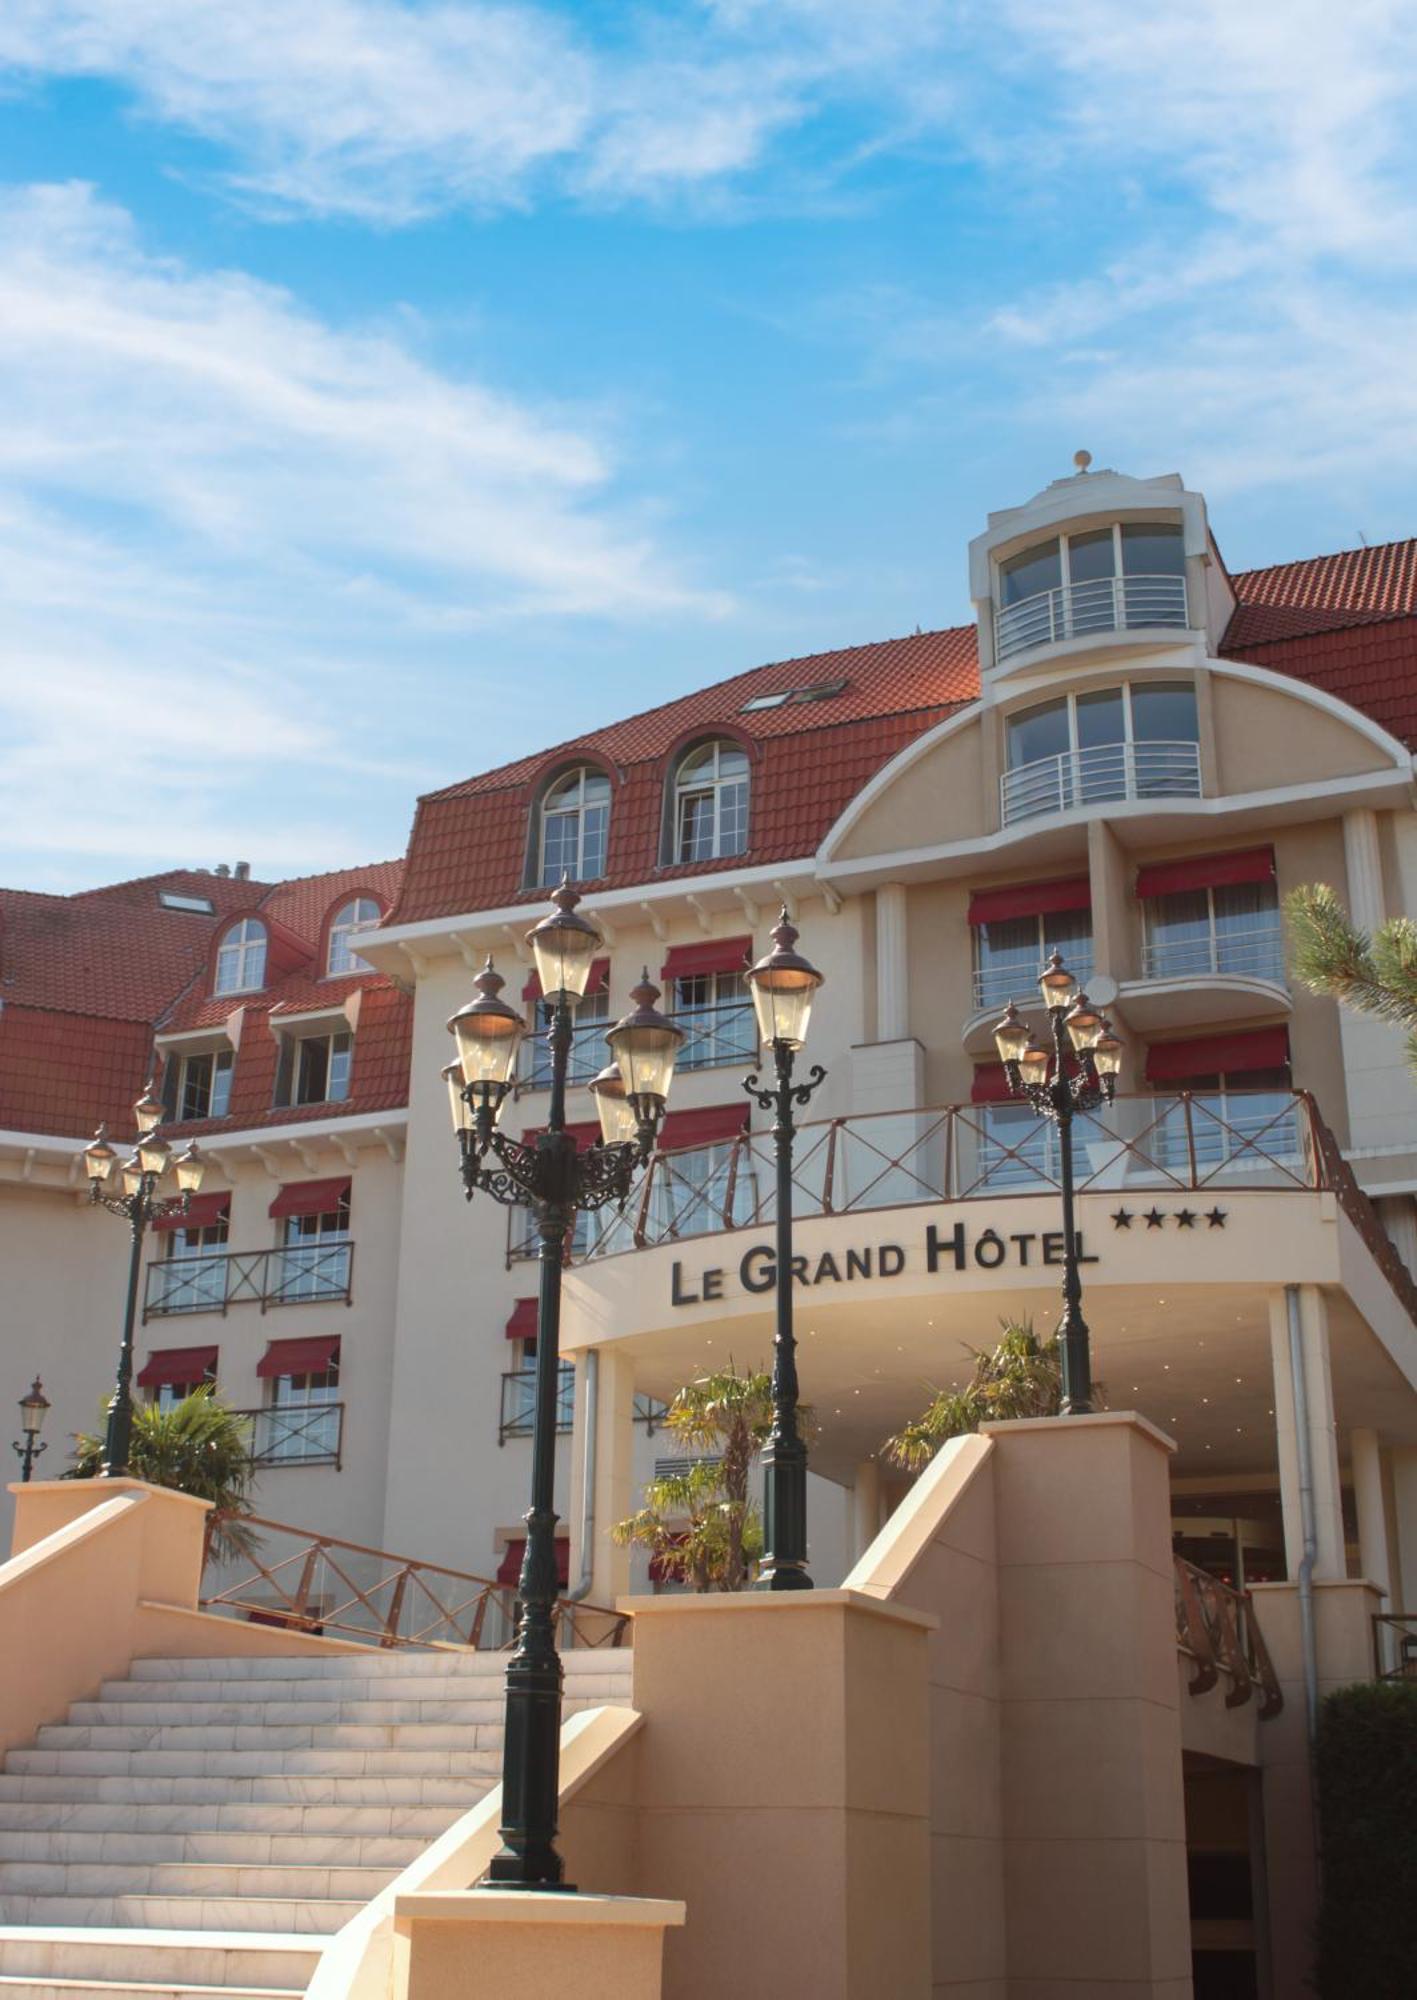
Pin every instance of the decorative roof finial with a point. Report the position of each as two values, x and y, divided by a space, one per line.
1082 460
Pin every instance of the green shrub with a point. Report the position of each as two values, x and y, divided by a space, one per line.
1367 1771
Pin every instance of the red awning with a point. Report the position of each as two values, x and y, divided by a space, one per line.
1206 871
312 1356
522 1324
1030 899
991 1084
685 961
509 1570
585 1133
1218 1055
598 981
174 1367
709 1125
202 1212
310 1197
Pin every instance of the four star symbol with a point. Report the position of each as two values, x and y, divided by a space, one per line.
1186 1218
1154 1218
1121 1218
1216 1218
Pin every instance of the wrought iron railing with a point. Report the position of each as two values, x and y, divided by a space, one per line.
1217 1630
1254 954
717 1035
319 1583
996 985
310 1436
588 1056
301 1274
1395 1645
519 1401
1098 604
1103 771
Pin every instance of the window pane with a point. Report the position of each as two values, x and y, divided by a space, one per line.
313 1068
696 827
1164 712
1027 574
221 1087
341 1063
1178 934
1069 932
1038 732
595 822
1091 556
196 1086
1101 718
733 818
1152 550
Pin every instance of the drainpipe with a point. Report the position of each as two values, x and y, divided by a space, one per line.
1307 1642
592 1433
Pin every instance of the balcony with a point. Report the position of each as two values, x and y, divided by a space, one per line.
519 1402
588 1056
1080 610
302 1274
717 1035
1101 772
996 985
1248 954
281 1437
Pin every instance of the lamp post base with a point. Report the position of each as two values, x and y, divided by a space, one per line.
784 1576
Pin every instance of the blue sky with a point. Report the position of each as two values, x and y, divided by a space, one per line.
394 388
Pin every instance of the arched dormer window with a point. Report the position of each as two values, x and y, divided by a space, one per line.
361 913
573 827
241 958
710 803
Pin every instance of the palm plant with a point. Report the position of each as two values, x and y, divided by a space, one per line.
197 1446
699 1523
1020 1377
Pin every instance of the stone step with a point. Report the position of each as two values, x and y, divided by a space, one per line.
206 1880
20 1988
249 1735
241 1961
397 1663
268 1915
255 1850
273 1821
459 1790
367 1709
253 1762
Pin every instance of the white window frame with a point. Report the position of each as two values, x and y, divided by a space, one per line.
1072 698
1213 967
223 1062
345 1057
340 961
715 785
247 940
548 874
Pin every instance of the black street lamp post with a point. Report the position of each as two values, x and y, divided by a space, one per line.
784 985
551 1178
1076 1073
33 1407
142 1202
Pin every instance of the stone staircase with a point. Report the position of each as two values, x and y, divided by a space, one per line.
206 1824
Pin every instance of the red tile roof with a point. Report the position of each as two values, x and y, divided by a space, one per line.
468 849
61 1072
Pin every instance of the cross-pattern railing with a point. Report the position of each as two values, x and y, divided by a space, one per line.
1395 1645
1217 1630
1101 771
280 1436
714 1035
318 1583
1095 604
519 1401
299 1274
1140 1144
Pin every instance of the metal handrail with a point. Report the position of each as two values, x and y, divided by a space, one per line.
996 985
1253 954
1097 604
1402 1625
295 1274
1217 1629
726 1033
1149 770
519 1402
309 1435
398 1600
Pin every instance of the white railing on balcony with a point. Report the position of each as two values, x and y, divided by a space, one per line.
1252 954
1100 604
996 985
1104 771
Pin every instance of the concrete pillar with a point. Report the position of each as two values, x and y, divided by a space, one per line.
1402 1461
892 964
865 1507
603 1454
1398 1215
1323 1434
1362 858
1374 1561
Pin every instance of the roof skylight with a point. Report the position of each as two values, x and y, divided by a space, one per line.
818 691
198 906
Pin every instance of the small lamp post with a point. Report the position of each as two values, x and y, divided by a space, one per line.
1074 1069
554 1181
784 984
34 1407
148 1196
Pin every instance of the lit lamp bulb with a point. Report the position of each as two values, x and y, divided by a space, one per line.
190 1168
1107 1054
99 1157
154 1154
132 1175
1012 1036
148 1110
1033 1064
564 945
488 1034
1056 984
458 1106
784 985
645 1045
618 1124
1083 1023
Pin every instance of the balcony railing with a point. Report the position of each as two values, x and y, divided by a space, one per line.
996 985
1253 954
301 1274
312 1436
588 1056
519 1402
1100 604
715 1035
1103 771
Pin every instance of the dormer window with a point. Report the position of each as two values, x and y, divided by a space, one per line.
1112 579
1137 741
361 914
574 827
711 802
241 958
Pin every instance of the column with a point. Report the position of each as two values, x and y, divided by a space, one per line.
602 1459
1374 1562
1382 1103
1362 859
892 964
1331 1561
1403 1462
865 1507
